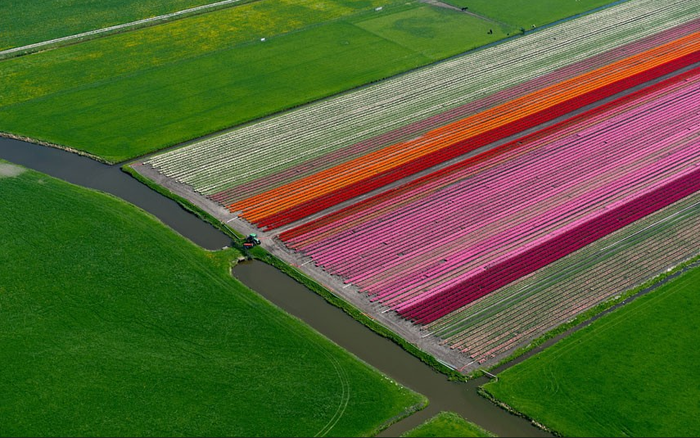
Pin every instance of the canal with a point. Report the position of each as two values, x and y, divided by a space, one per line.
284 292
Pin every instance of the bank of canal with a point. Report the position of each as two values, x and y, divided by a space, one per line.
285 292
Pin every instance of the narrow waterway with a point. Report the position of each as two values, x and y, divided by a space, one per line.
383 354
283 291
89 173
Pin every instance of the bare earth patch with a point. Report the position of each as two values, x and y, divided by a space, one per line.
10 170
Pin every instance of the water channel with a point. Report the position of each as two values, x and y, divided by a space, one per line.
286 293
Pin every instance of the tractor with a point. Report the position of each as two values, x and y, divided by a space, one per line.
251 241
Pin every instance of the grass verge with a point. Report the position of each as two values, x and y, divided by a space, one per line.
447 424
128 94
631 372
111 324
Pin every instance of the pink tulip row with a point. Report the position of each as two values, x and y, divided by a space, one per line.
525 309
457 229
296 138
417 128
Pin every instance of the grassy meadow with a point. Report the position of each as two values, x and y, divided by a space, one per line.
111 324
447 424
631 373
129 94
26 22
525 13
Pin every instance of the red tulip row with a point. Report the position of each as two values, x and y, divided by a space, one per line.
357 208
284 206
514 315
501 274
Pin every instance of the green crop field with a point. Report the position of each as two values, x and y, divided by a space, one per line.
125 95
525 13
25 22
631 373
113 325
447 424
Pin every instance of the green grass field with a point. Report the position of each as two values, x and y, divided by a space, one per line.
113 325
27 22
525 13
125 95
447 424
633 372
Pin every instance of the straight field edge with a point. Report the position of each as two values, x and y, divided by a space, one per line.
54 145
506 407
583 320
405 414
75 39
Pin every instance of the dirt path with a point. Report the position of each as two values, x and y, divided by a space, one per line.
32 48
351 293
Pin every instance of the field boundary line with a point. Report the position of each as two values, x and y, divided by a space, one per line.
40 142
286 109
132 25
585 319
646 288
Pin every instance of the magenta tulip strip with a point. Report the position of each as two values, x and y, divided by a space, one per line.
486 222
535 304
388 187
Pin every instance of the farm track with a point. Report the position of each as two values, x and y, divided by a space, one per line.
214 165
399 279
125 27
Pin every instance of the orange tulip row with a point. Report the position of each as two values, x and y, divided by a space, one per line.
535 108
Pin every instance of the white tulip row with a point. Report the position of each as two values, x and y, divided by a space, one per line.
514 315
295 137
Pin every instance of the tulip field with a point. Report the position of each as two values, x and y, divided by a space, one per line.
552 296
493 197
302 197
271 153
506 213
